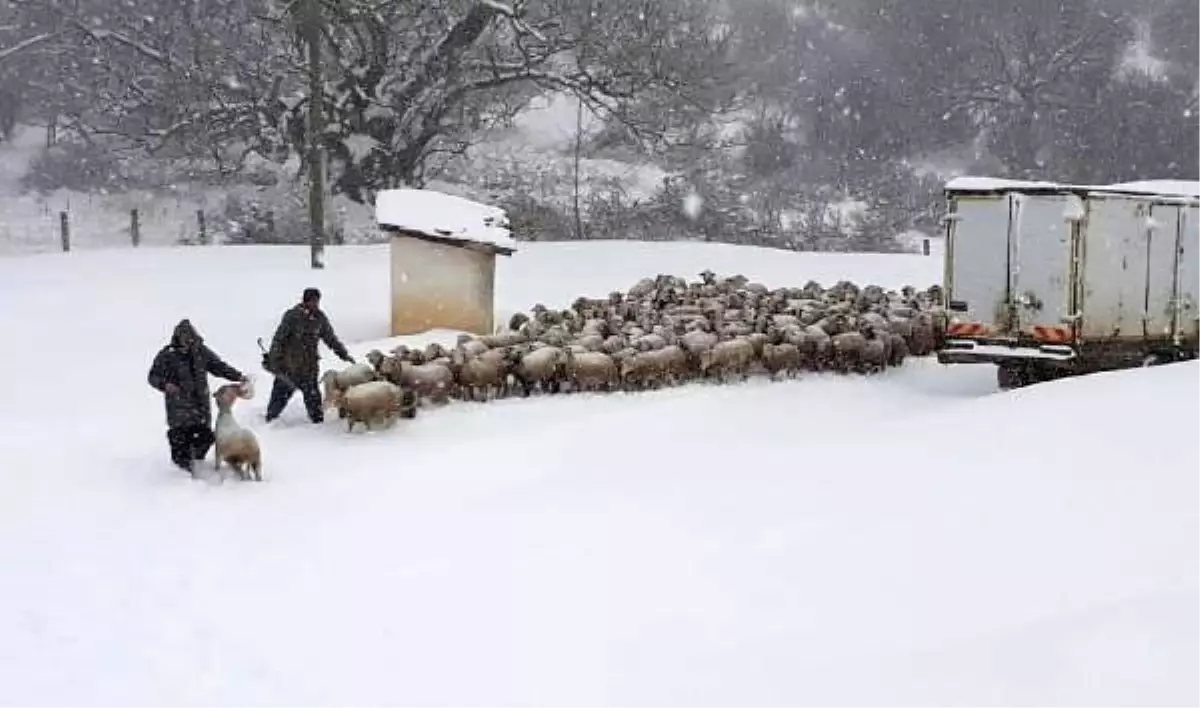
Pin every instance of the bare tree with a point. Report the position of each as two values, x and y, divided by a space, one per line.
398 97
1010 70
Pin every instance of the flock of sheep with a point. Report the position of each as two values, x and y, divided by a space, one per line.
663 331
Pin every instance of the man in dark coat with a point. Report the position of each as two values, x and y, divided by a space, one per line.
293 357
180 371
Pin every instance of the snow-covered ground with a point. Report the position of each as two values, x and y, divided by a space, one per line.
914 538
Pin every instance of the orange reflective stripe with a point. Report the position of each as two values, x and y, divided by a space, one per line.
1054 335
967 329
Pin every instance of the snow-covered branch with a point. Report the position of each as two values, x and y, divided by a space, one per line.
26 44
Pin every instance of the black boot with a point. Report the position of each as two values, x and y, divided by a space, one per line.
180 440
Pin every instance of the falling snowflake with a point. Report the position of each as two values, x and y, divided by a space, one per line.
692 204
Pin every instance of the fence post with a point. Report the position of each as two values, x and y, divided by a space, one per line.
925 247
65 226
271 226
135 233
203 228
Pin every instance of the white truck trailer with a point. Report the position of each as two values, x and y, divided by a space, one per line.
1047 280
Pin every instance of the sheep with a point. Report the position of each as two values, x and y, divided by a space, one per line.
555 337
652 368
375 401
505 338
517 321
537 369
642 288
434 382
591 342
732 356
875 353
781 357
335 382
648 342
434 351
674 366
696 341
596 326
847 350
590 371
471 346
486 374
899 350
667 330
757 340
235 445
923 339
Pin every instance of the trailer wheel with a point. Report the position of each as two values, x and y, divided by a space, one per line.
1009 377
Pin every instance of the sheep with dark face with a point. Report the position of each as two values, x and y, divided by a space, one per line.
517 321
484 375
538 369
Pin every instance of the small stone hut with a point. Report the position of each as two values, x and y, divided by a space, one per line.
443 259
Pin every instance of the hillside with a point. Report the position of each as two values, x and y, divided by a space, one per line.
912 538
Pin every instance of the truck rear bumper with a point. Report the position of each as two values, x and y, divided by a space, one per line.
970 351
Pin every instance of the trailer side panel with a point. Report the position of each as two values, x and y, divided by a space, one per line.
1189 275
1162 238
1114 269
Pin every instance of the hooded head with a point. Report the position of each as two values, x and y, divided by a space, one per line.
185 335
311 299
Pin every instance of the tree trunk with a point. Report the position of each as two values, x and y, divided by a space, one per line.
316 129
578 147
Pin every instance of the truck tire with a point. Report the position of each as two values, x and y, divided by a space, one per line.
1009 377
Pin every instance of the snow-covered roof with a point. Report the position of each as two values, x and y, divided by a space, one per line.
1157 187
1177 187
994 184
444 217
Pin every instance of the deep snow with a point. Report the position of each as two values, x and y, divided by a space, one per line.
914 538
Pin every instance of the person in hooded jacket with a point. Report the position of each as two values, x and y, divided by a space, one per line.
180 371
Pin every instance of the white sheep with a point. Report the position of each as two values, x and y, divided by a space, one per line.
486 373
235 445
433 381
374 401
336 382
